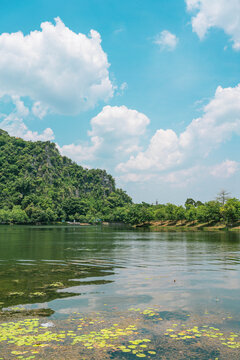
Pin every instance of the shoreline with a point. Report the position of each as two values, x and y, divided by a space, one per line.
187 226
167 225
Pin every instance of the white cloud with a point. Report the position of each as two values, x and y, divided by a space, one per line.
223 14
39 110
82 153
184 177
166 40
120 129
14 125
119 122
119 30
220 120
167 150
57 68
163 152
179 178
115 132
225 170
46 135
134 177
122 88
21 109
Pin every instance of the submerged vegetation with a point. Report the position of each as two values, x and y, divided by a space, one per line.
41 282
131 334
38 185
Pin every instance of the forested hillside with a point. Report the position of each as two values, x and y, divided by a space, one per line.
37 184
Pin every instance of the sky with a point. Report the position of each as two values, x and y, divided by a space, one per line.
148 90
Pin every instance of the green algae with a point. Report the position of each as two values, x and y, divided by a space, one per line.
232 340
40 281
119 335
20 311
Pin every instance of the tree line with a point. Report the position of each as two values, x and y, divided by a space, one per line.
192 211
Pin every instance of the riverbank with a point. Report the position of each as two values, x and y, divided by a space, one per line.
167 225
172 225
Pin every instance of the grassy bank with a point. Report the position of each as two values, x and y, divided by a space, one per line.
172 225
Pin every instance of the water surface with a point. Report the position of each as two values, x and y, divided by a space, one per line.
104 269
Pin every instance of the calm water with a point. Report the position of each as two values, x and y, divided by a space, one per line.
118 293
83 268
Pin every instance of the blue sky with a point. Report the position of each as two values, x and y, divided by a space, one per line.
126 96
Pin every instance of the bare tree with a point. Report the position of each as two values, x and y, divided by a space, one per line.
222 196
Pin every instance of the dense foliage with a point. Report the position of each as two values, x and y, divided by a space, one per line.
192 212
38 185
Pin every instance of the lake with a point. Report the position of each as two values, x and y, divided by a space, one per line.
113 292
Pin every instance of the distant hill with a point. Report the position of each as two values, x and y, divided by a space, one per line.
37 184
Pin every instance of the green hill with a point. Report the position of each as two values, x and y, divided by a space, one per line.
37 184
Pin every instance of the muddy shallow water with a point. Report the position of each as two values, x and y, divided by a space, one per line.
117 293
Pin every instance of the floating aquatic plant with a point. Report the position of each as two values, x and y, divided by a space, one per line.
113 335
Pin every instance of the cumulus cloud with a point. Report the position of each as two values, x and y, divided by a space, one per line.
82 152
115 130
179 178
185 177
225 170
223 14
166 40
119 121
13 123
221 118
162 152
27 134
39 110
60 70
134 177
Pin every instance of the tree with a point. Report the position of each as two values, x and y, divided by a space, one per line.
222 197
181 213
18 216
37 215
202 214
189 202
75 205
138 214
4 216
160 213
213 211
231 210
171 211
191 213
